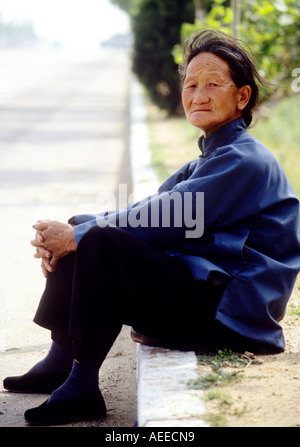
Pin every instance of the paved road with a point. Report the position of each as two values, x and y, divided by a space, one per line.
63 141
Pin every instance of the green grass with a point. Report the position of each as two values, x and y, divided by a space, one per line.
279 130
294 310
217 382
218 377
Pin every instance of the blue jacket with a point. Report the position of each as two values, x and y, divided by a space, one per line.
251 233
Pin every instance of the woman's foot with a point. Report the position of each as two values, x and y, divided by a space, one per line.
78 398
47 375
67 411
41 383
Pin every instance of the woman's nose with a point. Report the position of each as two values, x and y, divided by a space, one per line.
201 95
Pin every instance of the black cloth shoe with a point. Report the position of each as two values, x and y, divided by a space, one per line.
65 412
41 383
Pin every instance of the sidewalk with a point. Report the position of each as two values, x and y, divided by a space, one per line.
63 141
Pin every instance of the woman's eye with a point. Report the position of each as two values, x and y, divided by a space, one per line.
212 84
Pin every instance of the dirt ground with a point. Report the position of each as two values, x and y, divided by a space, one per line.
268 394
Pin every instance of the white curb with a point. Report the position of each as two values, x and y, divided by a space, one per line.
164 399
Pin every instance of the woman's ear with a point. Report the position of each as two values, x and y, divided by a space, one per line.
244 95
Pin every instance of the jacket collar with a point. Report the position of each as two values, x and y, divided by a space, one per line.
221 137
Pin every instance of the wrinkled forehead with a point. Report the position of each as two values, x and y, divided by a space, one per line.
208 64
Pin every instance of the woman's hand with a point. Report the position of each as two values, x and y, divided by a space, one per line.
53 240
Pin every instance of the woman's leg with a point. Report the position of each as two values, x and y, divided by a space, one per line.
53 312
116 279
119 279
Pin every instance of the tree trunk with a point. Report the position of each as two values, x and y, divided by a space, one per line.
199 10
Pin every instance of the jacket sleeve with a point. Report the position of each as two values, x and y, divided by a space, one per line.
230 186
83 222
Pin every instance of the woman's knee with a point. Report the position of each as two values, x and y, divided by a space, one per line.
101 239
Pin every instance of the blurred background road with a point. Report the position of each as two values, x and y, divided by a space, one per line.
64 130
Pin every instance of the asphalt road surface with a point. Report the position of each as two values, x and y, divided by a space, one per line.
63 141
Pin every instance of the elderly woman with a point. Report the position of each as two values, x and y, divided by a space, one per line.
225 285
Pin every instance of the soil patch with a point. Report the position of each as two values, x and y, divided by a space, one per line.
267 392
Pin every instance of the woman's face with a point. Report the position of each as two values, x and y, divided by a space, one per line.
210 97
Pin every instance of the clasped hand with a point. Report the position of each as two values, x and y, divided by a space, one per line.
53 240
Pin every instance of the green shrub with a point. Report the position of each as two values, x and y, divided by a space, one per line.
156 28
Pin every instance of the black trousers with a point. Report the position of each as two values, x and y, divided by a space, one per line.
115 279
